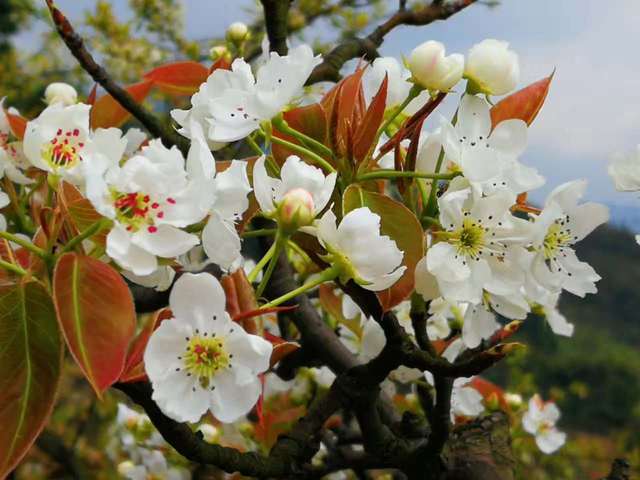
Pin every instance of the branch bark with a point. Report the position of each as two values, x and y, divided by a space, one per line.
367 46
276 18
77 48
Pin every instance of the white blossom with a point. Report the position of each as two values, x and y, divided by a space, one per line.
432 69
540 420
493 68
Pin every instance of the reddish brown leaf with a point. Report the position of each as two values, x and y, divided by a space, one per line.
523 104
262 311
310 120
179 78
79 212
96 314
134 365
281 350
91 99
221 63
107 112
17 124
368 128
30 365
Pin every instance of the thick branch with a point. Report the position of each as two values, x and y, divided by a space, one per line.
276 18
366 47
76 46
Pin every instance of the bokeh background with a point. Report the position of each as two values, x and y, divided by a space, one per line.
593 111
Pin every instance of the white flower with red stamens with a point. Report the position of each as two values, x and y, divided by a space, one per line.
149 198
59 140
12 159
201 360
540 420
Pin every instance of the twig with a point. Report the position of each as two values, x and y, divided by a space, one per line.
77 48
367 47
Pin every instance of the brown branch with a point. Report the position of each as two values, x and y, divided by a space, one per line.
620 470
367 47
276 18
77 48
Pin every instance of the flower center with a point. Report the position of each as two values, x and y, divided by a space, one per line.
204 357
64 149
137 210
469 239
556 239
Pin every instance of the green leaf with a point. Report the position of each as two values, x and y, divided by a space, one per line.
30 364
399 223
97 317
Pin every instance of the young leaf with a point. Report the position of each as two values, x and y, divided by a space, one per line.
366 132
80 214
399 223
310 120
107 112
523 104
30 364
179 78
96 314
17 124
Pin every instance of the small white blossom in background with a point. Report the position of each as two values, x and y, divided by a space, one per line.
350 244
625 172
492 67
153 466
237 32
59 92
540 421
432 69
201 360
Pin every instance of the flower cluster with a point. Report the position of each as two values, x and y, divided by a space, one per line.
350 190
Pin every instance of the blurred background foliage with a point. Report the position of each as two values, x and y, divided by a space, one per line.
594 376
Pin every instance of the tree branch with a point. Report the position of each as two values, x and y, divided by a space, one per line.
367 47
76 46
276 18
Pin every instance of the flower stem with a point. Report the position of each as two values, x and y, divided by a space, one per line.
305 151
319 147
324 276
278 245
88 232
383 174
13 268
261 232
254 146
23 243
260 265
413 93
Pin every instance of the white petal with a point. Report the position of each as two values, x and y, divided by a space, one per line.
248 350
230 400
264 187
550 440
128 255
221 241
166 241
474 120
509 137
198 296
232 187
180 397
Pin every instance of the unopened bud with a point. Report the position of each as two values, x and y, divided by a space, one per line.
506 348
59 92
210 434
431 69
492 68
237 32
514 400
219 51
125 467
296 210
492 402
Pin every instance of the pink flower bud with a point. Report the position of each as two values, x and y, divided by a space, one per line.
296 209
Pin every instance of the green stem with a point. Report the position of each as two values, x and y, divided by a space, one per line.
260 265
306 152
324 276
23 243
384 174
261 232
254 146
413 93
88 232
319 147
12 268
279 243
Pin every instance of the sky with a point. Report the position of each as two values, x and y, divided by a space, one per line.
593 108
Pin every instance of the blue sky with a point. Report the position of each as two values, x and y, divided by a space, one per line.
593 108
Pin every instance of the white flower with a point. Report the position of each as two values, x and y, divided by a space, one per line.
488 157
201 360
59 92
492 67
476 240
59 141
540 420
12 159
225 198
150 198
466 401
625 171
479 324
160 280
232 103
154 466
433 70
441 311
301 187
398 85
561 224
351 243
